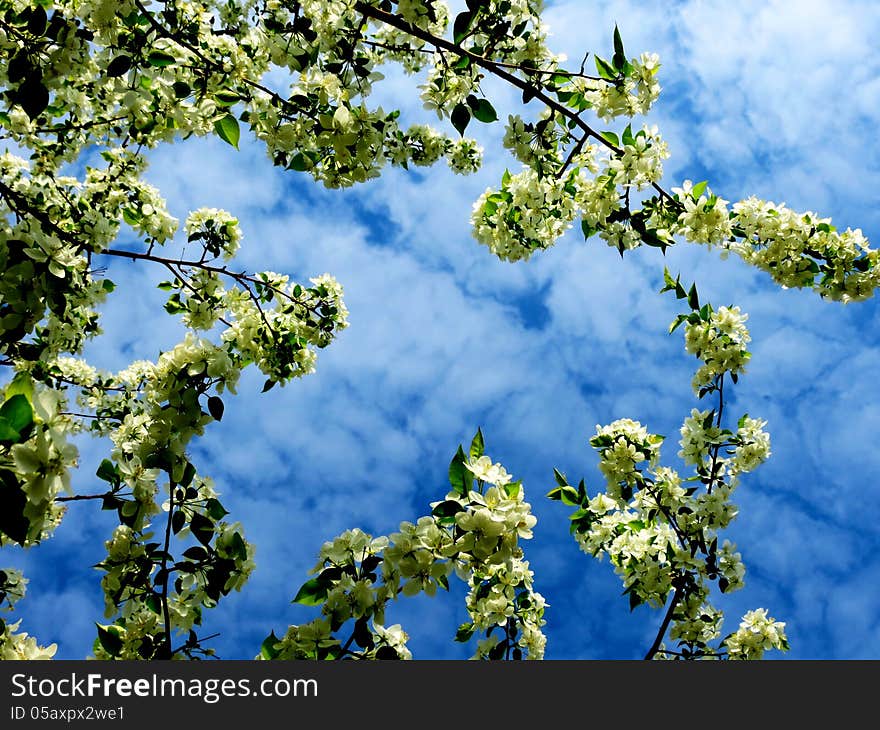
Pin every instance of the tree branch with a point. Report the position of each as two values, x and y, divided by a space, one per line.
655 647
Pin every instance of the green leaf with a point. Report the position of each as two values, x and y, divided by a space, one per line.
482 110
461 26
37 21
627 136
22 384
606 71
160 59
189 473
109 640
464 633
634 601
119 66
178 520
477 448
569 496
677 322
619 59
226 97
131 216
107 472
8 433
363 637
267 648
693 298
202 528
447 510
215 510
313 592
698 189
17 412
13 502
385 653
33 96
459 476
196 553
610 137
227 129
588 228
560 477
298 162
460 118
215 408
181 89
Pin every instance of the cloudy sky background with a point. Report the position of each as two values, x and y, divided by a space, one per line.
776 99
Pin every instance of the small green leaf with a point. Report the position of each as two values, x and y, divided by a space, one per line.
227 129
118 66
447 509
606 71
460 118
459 476
215 408
8 433
464 633
698 189
13 502
226 97
588 228
178 520
461 26
110 641
37 21
560 477
267 649
693 298
482 110
189 473
18 413
610 137
668 281
196 553
181 89
160 59
312 592
477 447
569 496
131 216
677 323
619 59
202 528
298 162
33 96
107 472
214 509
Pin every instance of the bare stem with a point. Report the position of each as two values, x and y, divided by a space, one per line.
655 647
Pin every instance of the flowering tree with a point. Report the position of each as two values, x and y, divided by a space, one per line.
90 85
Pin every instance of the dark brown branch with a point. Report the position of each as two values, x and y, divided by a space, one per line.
496 69
655 647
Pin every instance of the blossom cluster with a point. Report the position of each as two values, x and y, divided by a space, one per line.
659 530
474 533
15 644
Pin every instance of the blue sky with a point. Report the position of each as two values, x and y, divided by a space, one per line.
776 99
